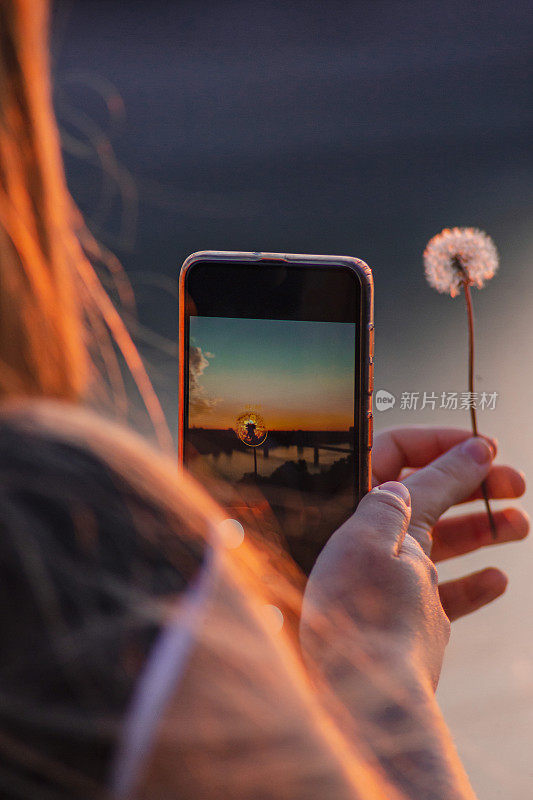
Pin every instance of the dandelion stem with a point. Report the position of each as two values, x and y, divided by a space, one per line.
473 415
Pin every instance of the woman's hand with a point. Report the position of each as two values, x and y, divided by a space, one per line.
377 566
373 624
412 448
374 591
375 573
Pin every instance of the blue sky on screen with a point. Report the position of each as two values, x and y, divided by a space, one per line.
299 375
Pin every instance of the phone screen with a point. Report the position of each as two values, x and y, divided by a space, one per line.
273 399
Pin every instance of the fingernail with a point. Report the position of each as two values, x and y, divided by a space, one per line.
493 442
480 450
517 520
397 488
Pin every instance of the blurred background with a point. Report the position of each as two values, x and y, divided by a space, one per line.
357 128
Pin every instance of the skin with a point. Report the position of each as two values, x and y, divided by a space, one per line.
412 448
377 572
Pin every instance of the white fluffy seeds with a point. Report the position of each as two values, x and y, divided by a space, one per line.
473 249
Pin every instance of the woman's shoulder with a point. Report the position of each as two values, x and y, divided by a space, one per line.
89 563
36 435
61 425
47 453
77 478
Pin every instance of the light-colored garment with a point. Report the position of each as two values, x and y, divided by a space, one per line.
159 680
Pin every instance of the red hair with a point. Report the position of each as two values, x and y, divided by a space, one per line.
52 303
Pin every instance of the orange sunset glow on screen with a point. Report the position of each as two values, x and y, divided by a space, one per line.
299 375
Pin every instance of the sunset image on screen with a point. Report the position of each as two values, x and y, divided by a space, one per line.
300 375
267 393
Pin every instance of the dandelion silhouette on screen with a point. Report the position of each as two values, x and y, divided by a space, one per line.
250 428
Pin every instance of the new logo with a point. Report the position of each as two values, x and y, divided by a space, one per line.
384 400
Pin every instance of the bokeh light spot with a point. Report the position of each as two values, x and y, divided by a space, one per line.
232 533
275 618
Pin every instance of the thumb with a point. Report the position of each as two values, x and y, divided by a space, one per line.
446 481
383 514
376 530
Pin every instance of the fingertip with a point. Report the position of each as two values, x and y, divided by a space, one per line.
493 443
479 449
518 520
396 488
493 581
383 514
519 483
513 481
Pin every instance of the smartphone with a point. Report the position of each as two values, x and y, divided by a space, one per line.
275 386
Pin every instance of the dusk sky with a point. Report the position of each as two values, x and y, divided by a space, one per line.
298 375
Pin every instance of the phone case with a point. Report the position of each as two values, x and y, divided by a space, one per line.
366 332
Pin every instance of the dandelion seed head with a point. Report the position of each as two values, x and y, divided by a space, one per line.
459 253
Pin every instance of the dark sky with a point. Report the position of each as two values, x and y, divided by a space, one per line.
359 128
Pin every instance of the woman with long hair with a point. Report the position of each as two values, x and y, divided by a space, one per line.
143 655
